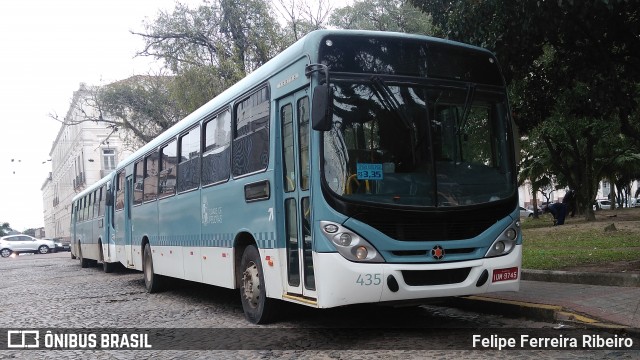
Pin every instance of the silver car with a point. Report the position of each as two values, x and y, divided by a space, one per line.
24 243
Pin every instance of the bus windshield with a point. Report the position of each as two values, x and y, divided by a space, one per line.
418 143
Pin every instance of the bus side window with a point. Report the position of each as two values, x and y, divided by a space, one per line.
189 166
92 205
303 142
138 175
168 162
96 200
100 193
251 136
120 191
288 164
151 177
216 154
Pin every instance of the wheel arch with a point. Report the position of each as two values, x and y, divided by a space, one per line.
240 243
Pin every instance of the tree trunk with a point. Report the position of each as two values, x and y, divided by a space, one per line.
589 215
612 193
534 202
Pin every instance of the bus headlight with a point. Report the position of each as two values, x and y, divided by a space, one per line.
345 239
506 242
349 244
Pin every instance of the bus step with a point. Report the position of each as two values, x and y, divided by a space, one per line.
306 300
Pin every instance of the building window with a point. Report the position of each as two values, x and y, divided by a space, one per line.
108 159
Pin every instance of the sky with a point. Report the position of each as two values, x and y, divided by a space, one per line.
47 48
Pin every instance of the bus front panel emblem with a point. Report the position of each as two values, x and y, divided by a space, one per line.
437 252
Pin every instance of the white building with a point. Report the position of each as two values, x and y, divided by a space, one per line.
81 154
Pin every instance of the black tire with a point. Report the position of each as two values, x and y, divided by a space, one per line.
5 253
43 249
107 267
258 309
152 282
84 263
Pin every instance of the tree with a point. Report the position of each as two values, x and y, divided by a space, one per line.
5 228
234 36
385 15
301 17
577 106
30 232
137 109
534 169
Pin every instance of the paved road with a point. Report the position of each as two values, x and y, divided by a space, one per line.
52 291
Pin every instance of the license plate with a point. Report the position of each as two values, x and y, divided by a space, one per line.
505 274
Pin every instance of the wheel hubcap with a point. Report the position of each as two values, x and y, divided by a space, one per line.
251 284
5 253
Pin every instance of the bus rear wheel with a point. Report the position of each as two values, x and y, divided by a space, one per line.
258 309
152 281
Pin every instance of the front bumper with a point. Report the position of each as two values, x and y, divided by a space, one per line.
342 282
62 247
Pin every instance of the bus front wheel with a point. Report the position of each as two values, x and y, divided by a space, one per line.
106 266
84 263
152 281
258 309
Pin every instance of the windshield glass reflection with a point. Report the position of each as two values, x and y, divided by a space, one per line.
418 145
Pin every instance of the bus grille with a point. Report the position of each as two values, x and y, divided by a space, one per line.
435 277
423 231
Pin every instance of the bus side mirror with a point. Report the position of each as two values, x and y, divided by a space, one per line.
320 110
109 198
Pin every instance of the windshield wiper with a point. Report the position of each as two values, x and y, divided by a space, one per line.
392 105
389 101
471 90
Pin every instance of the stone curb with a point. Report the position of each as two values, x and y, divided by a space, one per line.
508 308
531 311
605 279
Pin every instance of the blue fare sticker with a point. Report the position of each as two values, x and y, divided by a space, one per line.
369 171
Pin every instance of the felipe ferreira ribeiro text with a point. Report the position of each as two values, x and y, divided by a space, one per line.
592 341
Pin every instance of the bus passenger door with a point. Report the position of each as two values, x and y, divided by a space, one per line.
128 227
294 119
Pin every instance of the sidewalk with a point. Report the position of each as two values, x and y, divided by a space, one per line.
567 296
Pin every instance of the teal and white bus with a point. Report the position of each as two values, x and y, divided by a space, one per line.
90 219
354 167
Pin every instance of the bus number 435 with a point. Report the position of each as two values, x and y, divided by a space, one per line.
369 279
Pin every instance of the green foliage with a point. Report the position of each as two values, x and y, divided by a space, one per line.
143 105
4 229
197 85
30 232
384 15
232 35
573 71
557 44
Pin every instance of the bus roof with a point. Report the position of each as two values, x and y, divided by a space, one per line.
306 46
91 188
